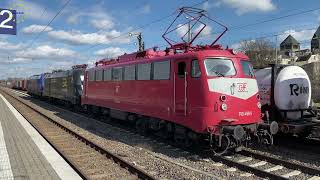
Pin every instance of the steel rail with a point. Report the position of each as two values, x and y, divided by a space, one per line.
131 168
260 172
287 164
247 168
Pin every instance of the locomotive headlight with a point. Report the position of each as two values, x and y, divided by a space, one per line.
258 96
223 98
224 106
259 105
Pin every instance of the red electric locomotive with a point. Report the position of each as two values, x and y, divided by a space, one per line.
188 92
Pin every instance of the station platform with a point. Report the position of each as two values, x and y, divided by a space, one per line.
24 153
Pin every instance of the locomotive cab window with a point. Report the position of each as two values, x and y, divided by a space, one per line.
219 67
181 69
117 73
195 69
247 68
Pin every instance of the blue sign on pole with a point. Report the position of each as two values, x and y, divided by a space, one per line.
8 21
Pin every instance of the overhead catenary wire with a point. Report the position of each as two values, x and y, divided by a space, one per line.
141 27
163 18
274 19
233 28
242 27
271 35
39 34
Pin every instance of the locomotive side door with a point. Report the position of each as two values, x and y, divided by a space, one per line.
180 87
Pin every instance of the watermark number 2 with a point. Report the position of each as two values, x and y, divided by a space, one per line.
8 22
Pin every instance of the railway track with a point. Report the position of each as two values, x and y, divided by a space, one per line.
88 159
268 167
264 166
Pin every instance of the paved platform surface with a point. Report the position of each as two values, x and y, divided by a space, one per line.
24 153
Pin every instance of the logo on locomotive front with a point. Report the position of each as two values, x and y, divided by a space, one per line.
295 89
242 87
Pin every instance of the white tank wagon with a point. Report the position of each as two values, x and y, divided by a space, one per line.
285 93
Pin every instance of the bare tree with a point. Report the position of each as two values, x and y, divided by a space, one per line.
260 51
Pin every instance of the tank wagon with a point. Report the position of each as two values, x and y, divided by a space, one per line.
185 92
66 86
285 96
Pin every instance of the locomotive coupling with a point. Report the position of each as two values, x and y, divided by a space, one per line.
273 127
237 131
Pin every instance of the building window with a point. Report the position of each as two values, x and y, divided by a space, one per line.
99 75
107 75
144 71
195 69
117 73
161 70
91 75
130 72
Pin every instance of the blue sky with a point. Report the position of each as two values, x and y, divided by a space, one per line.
85 31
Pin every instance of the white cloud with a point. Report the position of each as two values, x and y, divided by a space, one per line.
78 38
10 46
60 65
36 29
206 31
145 9
74 18
21 60
102 23
302 35
46 52
183 29
206 5
96 16
14 60
245 6
235 46
36 11
110 52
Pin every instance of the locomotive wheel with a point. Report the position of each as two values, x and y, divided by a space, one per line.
183 140
167 131
141 126
225 143
188 142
